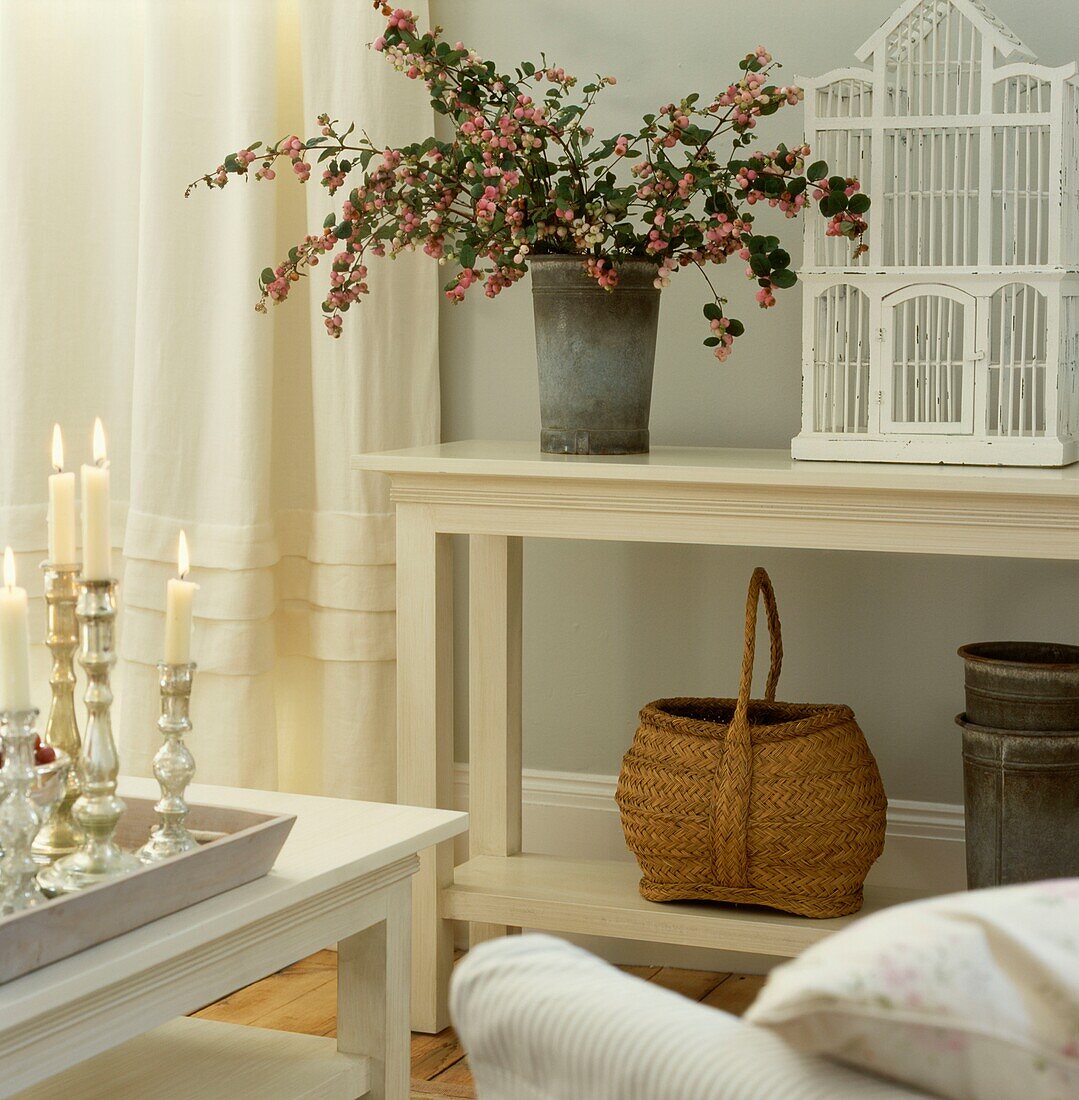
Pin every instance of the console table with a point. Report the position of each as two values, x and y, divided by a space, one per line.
498 493
115 1012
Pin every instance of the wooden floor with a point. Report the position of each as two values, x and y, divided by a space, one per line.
303 998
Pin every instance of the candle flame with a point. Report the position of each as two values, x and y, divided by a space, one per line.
57 448
100 455
184 559
9 568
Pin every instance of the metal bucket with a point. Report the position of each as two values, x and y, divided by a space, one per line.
1022 685
596 350
1021 794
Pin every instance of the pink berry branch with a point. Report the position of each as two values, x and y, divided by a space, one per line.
524 175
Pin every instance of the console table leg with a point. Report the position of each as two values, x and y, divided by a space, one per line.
425 741
372 997
494 692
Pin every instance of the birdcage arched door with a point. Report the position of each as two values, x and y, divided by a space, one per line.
928 356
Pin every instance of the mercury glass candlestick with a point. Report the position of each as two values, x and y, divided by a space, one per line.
60 834
20 818
174 766
97 810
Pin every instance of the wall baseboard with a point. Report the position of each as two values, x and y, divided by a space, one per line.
574 814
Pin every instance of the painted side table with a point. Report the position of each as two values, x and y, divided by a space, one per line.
499 493
109 1022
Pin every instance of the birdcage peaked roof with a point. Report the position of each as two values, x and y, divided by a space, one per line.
1003 37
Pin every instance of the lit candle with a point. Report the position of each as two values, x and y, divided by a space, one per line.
61 506
180 595
14 642
96 526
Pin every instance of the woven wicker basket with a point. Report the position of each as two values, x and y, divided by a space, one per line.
776 804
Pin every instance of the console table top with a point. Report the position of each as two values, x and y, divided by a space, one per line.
714 466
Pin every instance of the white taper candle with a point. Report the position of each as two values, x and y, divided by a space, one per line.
14 642
96 521
179 600
61 506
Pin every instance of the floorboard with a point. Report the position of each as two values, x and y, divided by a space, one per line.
303 998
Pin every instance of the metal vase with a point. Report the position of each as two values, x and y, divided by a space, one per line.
1021 761
1021 801
1022 685
596 351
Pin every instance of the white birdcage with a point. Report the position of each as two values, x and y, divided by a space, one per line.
955 338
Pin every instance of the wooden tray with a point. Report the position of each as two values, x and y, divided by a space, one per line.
239 846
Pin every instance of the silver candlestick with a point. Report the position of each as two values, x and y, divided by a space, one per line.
174 766
97 810
20 817
60 835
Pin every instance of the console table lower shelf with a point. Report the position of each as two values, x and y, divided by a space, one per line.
600 898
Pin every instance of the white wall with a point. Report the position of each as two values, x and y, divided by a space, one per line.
609 627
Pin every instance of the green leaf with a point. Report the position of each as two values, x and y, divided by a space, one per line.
231 164
343 231
529 68
817 171
779 258
466 255
837 184
831 205
784 278
759 264
858 203
328 220
267 276
735 328
712 311
711 341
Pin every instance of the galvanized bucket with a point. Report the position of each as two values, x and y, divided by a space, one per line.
1021 794
596 350
1022 685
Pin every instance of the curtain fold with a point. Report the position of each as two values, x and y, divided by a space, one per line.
232 426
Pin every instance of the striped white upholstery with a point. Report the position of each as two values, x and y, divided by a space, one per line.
543 1020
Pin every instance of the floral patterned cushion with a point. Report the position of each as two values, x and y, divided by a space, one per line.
971 996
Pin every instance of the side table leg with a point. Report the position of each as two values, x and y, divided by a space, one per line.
425 741
372 996
494 703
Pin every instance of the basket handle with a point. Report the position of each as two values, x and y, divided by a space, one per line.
759 584
734 775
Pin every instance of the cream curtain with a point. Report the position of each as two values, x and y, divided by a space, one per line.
122 299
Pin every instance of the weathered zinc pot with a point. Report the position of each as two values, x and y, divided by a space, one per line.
1021 761
1021 802
596 350
1022 685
